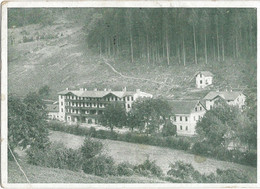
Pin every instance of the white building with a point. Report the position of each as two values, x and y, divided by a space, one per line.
186 114
203 79
86 106
233 98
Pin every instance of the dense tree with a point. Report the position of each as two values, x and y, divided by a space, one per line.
26 122
150 114
114 115
171 34
224 124
44 91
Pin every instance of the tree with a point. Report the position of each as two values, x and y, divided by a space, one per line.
222 124
44 91
27 122
151 113
169 129
114 115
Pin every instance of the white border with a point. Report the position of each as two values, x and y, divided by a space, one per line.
115 3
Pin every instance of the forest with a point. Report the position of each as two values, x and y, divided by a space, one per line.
173 35
158 35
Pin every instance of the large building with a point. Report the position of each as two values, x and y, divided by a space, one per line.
86 106
233 98
203 79
186 114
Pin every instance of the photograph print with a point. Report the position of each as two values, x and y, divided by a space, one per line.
132 95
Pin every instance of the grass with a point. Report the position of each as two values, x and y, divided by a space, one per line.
137 153
37 174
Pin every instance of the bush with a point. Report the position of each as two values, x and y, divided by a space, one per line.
125 169
148 168
100 166
55 156
200 148
231 176
91 148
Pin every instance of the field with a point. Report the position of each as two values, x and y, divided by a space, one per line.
137 153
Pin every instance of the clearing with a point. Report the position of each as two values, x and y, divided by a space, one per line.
137 153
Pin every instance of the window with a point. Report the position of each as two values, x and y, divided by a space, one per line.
128 98
132 98
186 128
180 118
196 109
174 118
61 97
180 127
128 106
200 75
210 107
200 108
200 81
186 118
61 103
61 109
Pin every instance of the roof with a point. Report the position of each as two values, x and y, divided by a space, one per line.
183 106
227 95
97 94
52 107
205 73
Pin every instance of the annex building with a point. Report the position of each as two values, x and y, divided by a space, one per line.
203 79
186 114
86 106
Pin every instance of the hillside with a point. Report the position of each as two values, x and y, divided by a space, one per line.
37 174
57 55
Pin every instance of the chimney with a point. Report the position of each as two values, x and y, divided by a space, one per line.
138 90
109 90
85 89
105 89
124 89
95 89
67 89
81 89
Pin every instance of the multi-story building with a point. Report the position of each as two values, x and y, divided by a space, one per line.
186 114
203 79
233 98
86 106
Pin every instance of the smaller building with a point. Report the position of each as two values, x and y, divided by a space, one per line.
186 114
53 111
203 79
233 98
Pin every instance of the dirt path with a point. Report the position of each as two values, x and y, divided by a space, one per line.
137 153
136 78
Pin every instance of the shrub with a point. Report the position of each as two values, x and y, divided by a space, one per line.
231 176
148 168
100 166
91 148
56 156
200 148
183 171
125 169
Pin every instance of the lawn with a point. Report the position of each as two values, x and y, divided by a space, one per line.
137 153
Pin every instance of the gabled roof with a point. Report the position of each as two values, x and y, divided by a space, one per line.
52 107
183 106
97 94
205 73
227 95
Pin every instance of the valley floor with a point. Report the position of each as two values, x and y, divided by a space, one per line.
137 153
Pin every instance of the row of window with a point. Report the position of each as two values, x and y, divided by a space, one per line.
94 105
113 98
182 127
185 118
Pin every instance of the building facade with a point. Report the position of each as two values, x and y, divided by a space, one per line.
186 114
233 98
203 79
52 111
86 106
